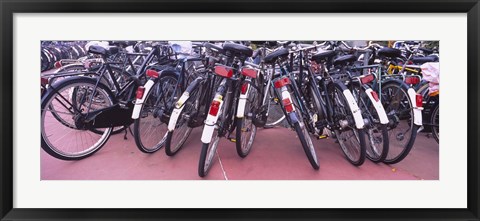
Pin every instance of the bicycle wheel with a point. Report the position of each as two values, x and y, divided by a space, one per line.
177 137
275 114
208 152
78 68
68 139
401 129
210 149
246 130
304 137
377 133
351 139
436 123
150 129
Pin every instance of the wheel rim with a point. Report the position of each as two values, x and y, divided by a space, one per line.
182 131
399 110
308 139
58 125
375 146
348 136
152 131
436 122
212 149
248 129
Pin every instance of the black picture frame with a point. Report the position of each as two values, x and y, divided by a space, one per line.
9 7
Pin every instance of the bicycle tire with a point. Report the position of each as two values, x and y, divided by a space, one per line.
344 114
275 114
400 146
56 150
78 68
150 108
172 149
377 133
243 145
304 137
436 122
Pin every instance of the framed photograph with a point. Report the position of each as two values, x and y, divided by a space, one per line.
341 98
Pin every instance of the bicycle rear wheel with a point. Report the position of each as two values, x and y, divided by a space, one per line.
177 137
401 128
275 115
63 134
245 129
377 144
150 129
351 139
436 123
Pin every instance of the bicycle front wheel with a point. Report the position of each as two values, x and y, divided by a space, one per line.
63 109
304 137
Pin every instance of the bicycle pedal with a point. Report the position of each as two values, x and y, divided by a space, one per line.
420 129
323 136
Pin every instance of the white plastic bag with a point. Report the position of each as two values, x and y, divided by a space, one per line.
103 44
431 73
181 47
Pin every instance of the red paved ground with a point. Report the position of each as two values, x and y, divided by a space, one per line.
276 155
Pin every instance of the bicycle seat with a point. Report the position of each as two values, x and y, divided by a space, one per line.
122 43
323 56
426 50
238 49
421 60
213 47
389 52
345 59
96 49
272 57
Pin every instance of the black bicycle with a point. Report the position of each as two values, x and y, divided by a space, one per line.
79 113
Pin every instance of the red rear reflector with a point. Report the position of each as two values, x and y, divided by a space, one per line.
374 95
214 108
224 71
288 105
249 72
58 64
152 73
282 82
43 81
140 92
244 88
419 100
412 80
367 79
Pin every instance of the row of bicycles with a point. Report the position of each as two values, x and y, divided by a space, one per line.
55 51
370 98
